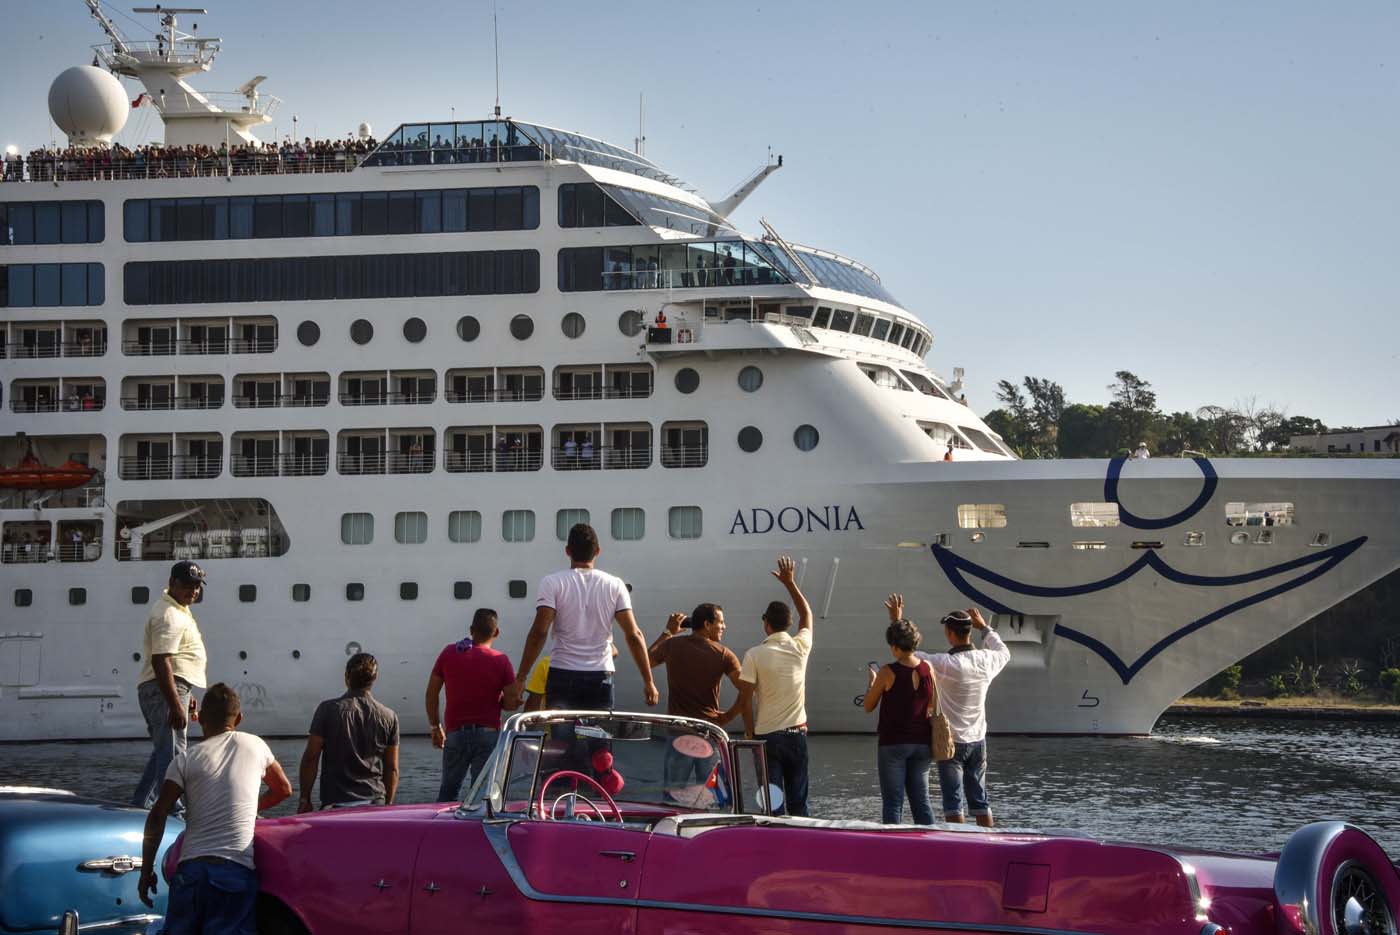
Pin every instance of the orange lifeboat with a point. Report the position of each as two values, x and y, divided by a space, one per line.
33 474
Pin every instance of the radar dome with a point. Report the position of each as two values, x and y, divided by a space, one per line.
366 131
89 105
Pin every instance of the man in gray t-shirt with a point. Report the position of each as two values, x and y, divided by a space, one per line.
358 739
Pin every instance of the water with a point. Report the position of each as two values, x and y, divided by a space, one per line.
1235 785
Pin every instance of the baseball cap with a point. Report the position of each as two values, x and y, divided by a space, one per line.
187 572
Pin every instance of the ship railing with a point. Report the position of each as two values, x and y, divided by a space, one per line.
137 467
592 392
19 404
92 494
305 400
412 399
26 553
401 462
703 277
84 348
467 462
304 465
627 392
31 351
198 467
199 402
66 404
346 463
525 460
254 465
145 402
363 399
79 551
502 395
260 401
148 348
592 458
226 346
104 167
233 102
684 456
477 152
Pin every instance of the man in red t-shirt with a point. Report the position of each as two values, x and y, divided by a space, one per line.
474 674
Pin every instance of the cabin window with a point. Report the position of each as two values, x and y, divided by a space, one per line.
564 520
415 330
301 593
806 437
521 327
357 528
1321 540
51 222
629 523
981 440
23 597
750 439
140 595
77 597
572 325
942 434
981 516
684 522
630 323
462 590
408 590
1259 514
31 285
687 380
361 331
247 593
516 588
308 333
1093 514
823 317
750 379
355 591
410 528
468 328
464 526
1239 538
518 525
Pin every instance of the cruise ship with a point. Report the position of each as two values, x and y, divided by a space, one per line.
369 386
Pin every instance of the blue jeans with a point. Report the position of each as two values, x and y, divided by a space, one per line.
166 742
787 768
466 750
965 773
903 771
212 898
578 690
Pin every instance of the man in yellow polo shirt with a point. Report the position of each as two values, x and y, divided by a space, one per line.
173 664
775 673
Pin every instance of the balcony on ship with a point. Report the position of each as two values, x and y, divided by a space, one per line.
35 340
468 449
477 385
166 530
255 454
412 451
257 390
412 387
518 448
69 394
305 453
202 457
520 384
360 451
146 457
685 444
364 388
148 392
306 389
33 542
591 447
204 391
149 338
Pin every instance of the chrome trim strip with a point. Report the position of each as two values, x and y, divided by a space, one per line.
143 920
497 833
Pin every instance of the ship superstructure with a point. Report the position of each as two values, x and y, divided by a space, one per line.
372 393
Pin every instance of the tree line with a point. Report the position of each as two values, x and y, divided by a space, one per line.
1036 421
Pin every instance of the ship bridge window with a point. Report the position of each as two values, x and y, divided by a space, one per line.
1259 514
982 440
981 516
942 434
51 222
883 377
704 265
923 384
842 319
1093 514
822 318
863 324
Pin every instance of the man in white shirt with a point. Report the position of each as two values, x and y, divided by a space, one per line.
173 663
215 887
581 604
963 675
775 672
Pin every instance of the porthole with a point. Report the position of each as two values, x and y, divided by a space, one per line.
630 323
750 439
361 331
301 593
516 588
806 437
247 593
521 327
462 590
308 333
140 595
408 590
687 380
355 591
573 325
750 379
77 597
468 328
415 330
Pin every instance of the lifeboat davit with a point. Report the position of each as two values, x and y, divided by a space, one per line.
33 474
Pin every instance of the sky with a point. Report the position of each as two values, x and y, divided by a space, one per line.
1203 193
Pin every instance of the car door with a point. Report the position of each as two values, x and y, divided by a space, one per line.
582 874
458 877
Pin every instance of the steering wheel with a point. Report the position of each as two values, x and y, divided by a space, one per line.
576 776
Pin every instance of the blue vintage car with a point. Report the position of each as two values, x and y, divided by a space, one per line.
61 854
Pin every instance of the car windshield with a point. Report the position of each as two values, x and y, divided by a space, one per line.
670 763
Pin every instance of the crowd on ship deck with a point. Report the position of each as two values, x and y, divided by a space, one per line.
154 161
931 710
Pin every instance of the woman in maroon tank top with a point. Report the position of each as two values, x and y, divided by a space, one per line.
903 691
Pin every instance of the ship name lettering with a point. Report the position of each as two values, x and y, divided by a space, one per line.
792 519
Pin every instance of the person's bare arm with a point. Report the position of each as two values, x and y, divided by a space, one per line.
637 645
430 704
306 772
150 841
278 787
879 684
165 679
673 626
737 708
534 645
391 773
745 703
787 574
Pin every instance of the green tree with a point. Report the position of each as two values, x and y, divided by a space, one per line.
1178 432
1224 429
1047 404
1132 410
1084 432
1015 427
1277 437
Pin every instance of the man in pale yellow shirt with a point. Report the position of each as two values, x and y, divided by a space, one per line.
173 664
775 673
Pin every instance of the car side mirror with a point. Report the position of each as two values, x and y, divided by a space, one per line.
69 924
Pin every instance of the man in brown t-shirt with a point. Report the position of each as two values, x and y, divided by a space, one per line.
695 665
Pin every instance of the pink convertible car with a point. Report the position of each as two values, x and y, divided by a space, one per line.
637 823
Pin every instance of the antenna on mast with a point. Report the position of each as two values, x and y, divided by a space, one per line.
639 145
496 39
